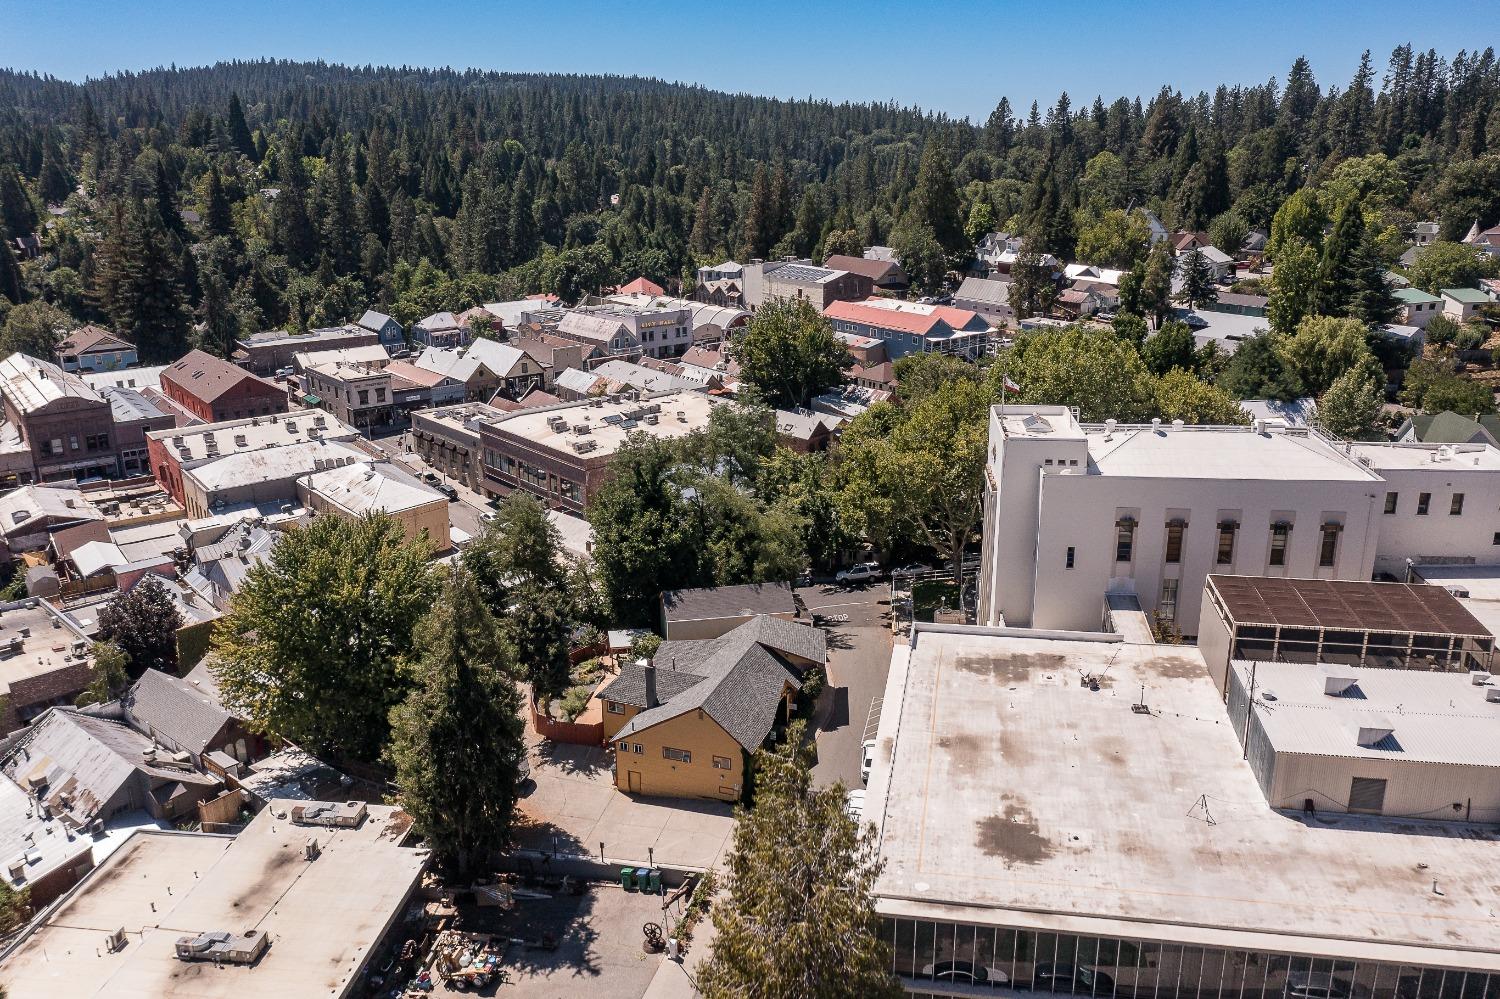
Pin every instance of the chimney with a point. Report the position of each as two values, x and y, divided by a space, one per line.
651 700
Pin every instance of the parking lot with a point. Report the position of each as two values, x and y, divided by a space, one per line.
857 621
575 809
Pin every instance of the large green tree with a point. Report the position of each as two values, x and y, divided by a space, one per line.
142 622
921 474
1324 347
788 353
35 329
798 918
1352 405
317 642
517 564
1450 265
457 740
1091 369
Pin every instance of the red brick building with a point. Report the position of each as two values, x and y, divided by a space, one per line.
215 390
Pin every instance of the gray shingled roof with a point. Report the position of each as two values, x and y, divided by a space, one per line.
629 687
174 710
713 602
743 676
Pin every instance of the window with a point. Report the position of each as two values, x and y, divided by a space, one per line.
1328 545
1390 502
1225 554
722 763
364 397
680 755
1166 607
73 442
1424 500
380 395
1279 535
615 707
1068 560
1124 540
1496 539
1174 541
640 750
1456 507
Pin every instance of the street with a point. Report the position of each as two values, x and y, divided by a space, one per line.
859 656
466 513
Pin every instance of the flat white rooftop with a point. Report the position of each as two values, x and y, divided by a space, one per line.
323 916
609 423
1007 793
1439 457
1220 453
1433 717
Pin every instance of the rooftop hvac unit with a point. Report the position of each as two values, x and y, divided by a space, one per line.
1492 694
345 815
240 440
115 941
652 419
310 850
1458 591
222 947
582 429
291 426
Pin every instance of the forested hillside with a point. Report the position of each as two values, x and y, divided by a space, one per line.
193 204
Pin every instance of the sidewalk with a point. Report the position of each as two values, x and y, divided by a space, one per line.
674 980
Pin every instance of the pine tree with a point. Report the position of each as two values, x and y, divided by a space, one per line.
934 199
1338 267
291 224
457 740
218 220
759 221
337 219
1197 280
55 182
239 130
1371 300
799 918
1032 290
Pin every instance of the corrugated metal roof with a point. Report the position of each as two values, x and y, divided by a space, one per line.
1434 717
1351 605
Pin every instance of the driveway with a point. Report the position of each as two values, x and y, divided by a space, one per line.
859 656
576 809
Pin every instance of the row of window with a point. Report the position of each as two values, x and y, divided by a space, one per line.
1281 532
1145 969
675 755
1424 504
91 442
532 475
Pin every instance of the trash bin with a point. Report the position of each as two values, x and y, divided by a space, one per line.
655 882
642 879
627 878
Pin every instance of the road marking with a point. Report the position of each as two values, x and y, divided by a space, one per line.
847 603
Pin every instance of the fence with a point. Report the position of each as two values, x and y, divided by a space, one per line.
572 733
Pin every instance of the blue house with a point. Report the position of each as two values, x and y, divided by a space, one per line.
95 349
392 336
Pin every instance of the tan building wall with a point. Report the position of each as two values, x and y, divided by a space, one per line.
713 627
431 517
614 720
1413 788
650 772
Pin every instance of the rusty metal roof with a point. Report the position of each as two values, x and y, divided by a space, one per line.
1350 605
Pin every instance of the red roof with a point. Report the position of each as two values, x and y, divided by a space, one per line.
640 286
897 319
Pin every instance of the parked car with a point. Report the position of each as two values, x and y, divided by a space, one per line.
965 973
447 491
1076 978
915 569
860 572
866 759
856 803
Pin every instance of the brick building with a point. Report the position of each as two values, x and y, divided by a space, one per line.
214 390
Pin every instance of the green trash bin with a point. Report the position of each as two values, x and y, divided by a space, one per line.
627 878
655 883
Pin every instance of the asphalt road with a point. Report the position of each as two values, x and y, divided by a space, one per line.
859 657
465 514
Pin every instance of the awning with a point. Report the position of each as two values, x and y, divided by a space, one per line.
311 399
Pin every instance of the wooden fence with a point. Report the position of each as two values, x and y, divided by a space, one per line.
572 733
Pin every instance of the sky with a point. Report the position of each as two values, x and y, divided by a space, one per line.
954 57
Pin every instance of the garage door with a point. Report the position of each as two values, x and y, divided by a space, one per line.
1367 794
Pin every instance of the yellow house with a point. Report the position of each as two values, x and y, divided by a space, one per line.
680 726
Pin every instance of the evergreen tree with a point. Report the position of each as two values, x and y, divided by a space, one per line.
1197 280
1032 290
141 286
457 740
1339 266
801 876
1371 299
291 223
218 220
239 130
1156 283
55 182
338 221
934 200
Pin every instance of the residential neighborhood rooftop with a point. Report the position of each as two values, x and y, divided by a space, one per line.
711 602
1006 791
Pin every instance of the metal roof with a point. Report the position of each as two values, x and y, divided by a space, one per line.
713 602
1348 605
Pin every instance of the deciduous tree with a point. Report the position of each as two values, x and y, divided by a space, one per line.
143 623
789 354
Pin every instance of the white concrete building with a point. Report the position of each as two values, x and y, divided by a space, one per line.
1441 503
1073 512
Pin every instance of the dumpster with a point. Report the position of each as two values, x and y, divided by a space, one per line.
627 878
642 878
655 882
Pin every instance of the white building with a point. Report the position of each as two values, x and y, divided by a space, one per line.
1073 512
1076 511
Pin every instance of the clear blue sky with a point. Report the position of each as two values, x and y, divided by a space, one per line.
942 55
